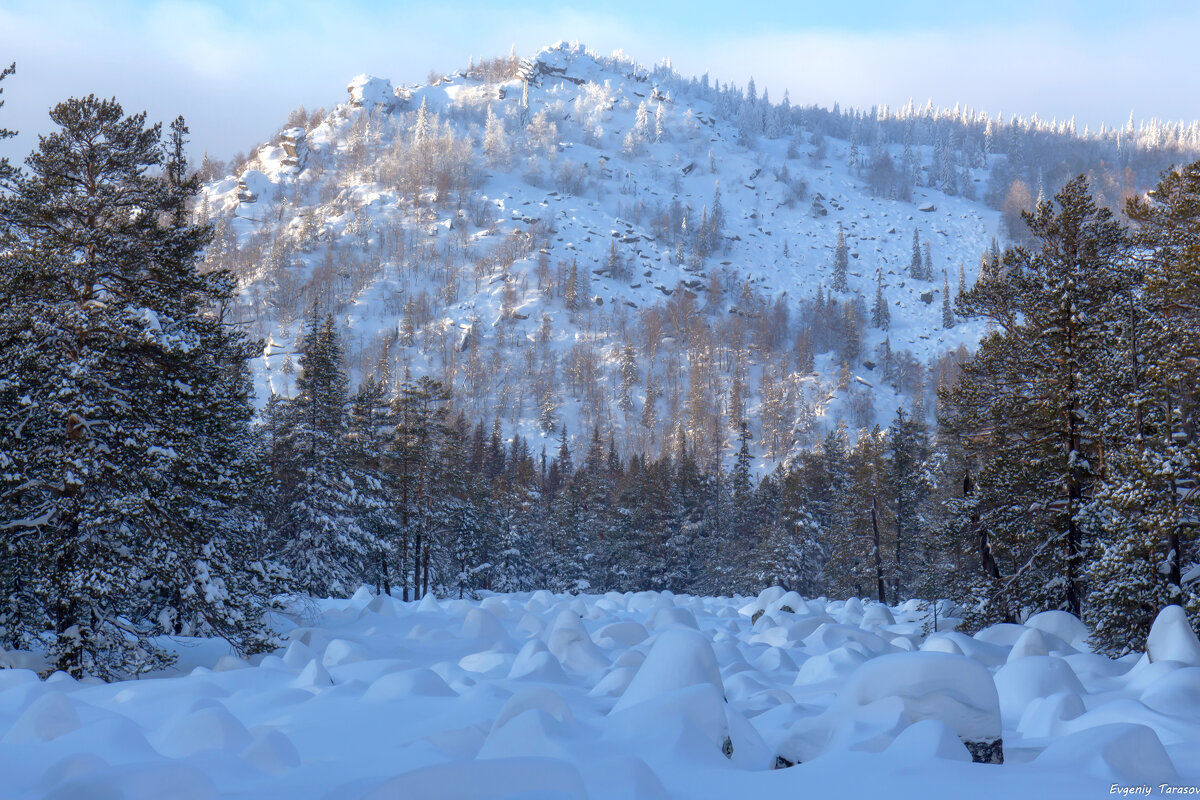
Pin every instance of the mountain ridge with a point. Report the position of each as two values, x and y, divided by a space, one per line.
508 174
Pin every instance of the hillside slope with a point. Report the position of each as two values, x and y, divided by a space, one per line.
541 236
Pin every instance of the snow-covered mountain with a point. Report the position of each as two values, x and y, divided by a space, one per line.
568 238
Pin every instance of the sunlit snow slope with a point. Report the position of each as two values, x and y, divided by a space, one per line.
444 249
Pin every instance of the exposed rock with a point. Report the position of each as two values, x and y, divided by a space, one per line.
985 751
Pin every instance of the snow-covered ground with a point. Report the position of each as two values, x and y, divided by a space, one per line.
620 696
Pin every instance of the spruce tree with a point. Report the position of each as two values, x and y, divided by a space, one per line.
841 263
881 315
916 268
908 449
322 538
369 438
948 320
495 147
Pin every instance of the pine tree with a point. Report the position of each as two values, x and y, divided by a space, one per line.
1142 510
649 419
859 560
127 460
7 173
421 411
1029 405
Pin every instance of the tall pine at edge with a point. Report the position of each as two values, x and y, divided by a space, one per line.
125 442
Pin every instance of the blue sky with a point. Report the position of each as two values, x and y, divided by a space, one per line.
235 69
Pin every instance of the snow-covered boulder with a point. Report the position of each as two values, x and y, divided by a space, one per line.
928 738
878 615
1172 638
1020 682
1049 716
789 603
419 682
1123 752
623 634
48 717
957 690
678 659
677 695
367 91
482 624
570 643
1066 626
1030 643
673 617
272 752
341 651
210 728
536 662
1177 693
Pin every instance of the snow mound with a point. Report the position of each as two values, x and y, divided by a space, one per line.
1030 643
1064 625
340 651
541 699
536 662
469 699
621 634
1123 752
928 738
1172 638
568 640
678 659
420 682
956 690
211 728
272 752
482 624
1020 682
48 717
486 780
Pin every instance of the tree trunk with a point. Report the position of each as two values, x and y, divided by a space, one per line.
425 558
878 558
417 593
986 560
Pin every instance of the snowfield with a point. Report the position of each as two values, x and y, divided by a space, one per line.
638 696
